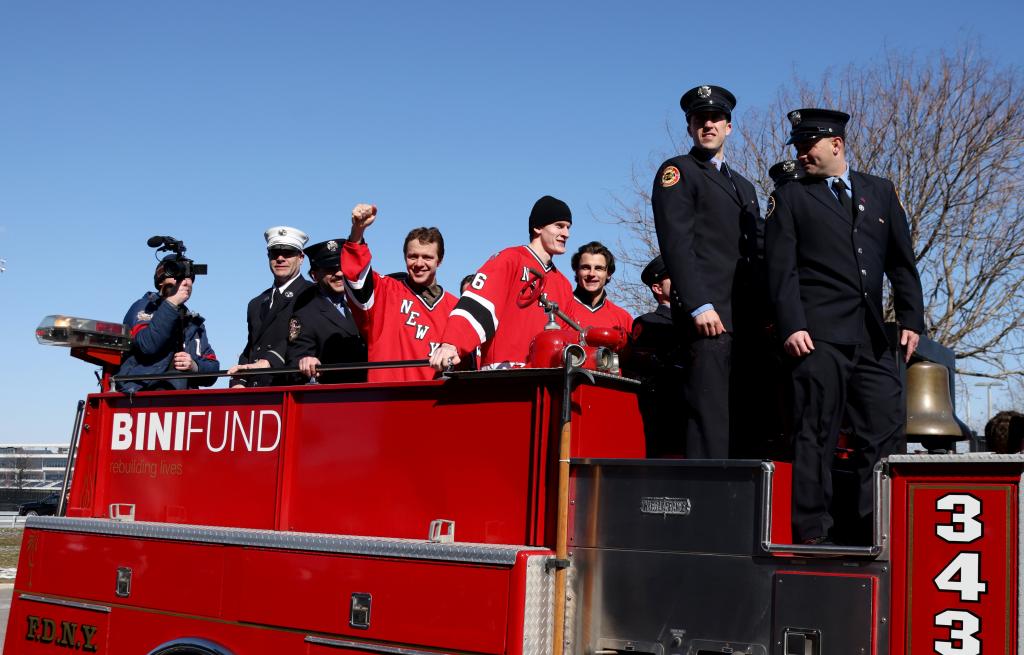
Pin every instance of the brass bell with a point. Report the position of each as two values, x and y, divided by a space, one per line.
930 417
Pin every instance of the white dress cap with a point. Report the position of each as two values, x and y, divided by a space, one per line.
283 236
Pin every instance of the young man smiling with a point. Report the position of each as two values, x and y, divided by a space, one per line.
594 266
398 318
706 216
494 312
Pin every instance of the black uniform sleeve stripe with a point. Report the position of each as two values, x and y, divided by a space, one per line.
479 316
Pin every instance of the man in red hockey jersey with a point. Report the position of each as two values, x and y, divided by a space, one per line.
497 311
398 318
594 266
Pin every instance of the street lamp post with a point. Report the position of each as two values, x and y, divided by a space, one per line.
988 395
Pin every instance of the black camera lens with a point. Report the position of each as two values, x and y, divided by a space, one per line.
174 269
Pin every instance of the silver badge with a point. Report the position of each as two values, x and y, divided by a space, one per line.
332 245
794 118
860 208
288 294
143 316
665 505
704 92
788 166
282 231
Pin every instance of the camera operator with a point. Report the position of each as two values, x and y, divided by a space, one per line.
166 336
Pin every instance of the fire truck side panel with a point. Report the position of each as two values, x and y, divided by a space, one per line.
361 470
166 576
433 604
606 421
452 597
955 530
180 460
375 460
670 562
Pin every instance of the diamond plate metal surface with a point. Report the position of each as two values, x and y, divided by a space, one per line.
499 554
959 457
537 610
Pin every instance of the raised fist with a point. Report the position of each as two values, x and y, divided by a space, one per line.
363 215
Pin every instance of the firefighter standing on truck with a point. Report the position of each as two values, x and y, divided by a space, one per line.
499 312
167 337
829 239
707 220
400 319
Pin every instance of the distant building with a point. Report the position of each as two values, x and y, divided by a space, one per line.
32 466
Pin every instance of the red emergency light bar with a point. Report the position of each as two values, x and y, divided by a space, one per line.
72 332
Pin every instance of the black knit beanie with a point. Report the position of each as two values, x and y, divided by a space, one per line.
548 210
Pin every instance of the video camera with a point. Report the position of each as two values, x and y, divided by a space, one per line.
178 267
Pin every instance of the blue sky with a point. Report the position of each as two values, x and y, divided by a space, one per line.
211 121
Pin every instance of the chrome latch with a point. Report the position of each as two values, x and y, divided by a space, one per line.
123 587
122 512
359 611
442 531
797 641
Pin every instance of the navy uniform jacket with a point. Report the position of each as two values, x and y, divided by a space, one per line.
318 329
654 342
159 330
825 267
708 235
268 336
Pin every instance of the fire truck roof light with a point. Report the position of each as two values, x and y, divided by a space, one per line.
72 332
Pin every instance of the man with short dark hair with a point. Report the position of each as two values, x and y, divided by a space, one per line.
594 266
706 216
400 319
498 312
269 313
831 239
321 330
167 337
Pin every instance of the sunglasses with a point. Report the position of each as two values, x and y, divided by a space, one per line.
286 253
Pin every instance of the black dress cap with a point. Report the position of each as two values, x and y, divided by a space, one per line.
786 171
708 98
813 123
654 271
326 254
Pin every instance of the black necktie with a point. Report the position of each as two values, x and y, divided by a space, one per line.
724 170
270 301
844 200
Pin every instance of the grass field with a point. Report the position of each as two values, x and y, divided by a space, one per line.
10 545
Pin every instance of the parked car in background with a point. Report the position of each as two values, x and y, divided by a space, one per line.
45 507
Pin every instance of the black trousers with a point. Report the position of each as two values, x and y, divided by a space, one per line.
860 384
707 387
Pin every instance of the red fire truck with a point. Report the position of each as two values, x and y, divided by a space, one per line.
498 513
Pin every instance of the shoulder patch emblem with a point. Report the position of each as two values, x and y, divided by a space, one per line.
294 327
771 207
143 316
669 177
